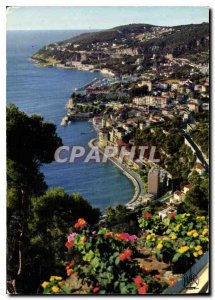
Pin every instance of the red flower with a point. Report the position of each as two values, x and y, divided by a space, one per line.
69 244
69 272
157 276
124 236
122 257
81 223
143 289
147 215
96 289
138 281
172 216
69 265
126 255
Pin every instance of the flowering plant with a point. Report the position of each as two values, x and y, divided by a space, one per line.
104 263
184 238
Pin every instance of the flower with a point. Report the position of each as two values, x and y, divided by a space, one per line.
126 255
200 252
157 276
147 215
69 272
151 236
69 244
70 240
45 284
125 237
159 246
197 248
55 289
189 233
108 234
143 289
174 237
195 254
195 234
165 238
52 278
171 281
69 265
96 289
71 237
138 281
183 249
83 239
81 223
205 231
172 216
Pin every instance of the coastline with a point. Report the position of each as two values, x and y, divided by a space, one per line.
137 183
55 64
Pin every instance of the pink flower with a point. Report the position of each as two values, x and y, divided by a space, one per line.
132 238
71 237
124 236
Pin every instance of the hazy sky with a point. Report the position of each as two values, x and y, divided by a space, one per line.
92 17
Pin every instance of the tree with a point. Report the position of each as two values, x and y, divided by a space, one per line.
122 219
51 218
30 142
37 221
197 199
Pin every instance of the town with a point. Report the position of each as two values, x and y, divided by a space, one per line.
171 114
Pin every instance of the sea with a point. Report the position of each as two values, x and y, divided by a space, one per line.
45 91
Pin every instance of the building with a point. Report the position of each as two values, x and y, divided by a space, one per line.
154 182
104 136
165 212
177 197
187 188
200 169
193 107
147 83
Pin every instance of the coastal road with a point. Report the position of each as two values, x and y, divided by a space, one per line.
136 180
199 154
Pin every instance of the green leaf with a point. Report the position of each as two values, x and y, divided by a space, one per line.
117 261
65 289
95 262
176 257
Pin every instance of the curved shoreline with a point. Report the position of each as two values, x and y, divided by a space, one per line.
61 66
137 183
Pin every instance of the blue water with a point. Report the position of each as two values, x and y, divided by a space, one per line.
45 91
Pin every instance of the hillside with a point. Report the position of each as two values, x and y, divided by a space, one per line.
120 47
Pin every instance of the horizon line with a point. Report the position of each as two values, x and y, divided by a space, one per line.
68 29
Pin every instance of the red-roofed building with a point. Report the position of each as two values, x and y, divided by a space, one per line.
200 169
187 188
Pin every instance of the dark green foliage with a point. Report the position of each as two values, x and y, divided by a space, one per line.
37 222
197 199
121 219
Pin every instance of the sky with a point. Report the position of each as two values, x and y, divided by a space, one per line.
95 17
